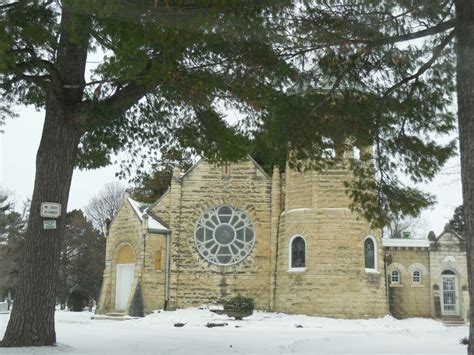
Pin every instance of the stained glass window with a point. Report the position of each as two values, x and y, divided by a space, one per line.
224 235
298 253
369 253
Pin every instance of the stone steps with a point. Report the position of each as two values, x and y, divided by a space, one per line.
453 321
119 316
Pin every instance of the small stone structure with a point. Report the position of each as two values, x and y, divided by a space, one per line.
428 278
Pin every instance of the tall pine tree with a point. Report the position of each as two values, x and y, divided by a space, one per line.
167 69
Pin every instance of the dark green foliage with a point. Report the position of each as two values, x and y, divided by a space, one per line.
339 77
136 307
362 83
151 186
239 307
458 222
464 341
305 81
77 301
12 230
82 258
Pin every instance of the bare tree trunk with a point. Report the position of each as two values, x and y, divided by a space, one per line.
32 319
465 93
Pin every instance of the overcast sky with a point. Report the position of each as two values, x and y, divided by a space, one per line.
20 141
18 146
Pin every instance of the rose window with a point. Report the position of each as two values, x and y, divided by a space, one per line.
224 235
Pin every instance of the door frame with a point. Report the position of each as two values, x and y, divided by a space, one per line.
117 283
456 311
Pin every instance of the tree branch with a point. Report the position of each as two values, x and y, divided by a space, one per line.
9 6
116 105
442 27
436 53
78 86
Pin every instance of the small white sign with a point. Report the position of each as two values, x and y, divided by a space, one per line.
49 224
50 210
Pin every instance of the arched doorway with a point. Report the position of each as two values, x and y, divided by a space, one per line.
124 276
449 293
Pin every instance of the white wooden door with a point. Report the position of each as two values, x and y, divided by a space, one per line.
123 285
450 294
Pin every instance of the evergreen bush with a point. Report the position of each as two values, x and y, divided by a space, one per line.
77 301
137 308
239 307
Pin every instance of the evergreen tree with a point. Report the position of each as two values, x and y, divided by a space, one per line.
151 186
136 306
12 228
81 264
396 63
309 80
167 69
458 222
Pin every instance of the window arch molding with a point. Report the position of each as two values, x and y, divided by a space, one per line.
375 265
293 264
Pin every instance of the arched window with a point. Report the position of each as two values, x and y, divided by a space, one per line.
416 277
395 277
158 260
370 253
297 253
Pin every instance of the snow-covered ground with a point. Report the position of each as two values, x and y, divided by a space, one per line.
262 333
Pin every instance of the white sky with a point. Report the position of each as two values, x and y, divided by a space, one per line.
18 146
20 141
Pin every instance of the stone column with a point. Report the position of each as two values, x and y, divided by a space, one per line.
275 221
175 217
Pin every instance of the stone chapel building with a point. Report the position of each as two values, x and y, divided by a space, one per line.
289 241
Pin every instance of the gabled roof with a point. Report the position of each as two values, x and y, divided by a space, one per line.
155 224
257 165
449 231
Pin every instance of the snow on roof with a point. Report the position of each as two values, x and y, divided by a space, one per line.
141 209
407 243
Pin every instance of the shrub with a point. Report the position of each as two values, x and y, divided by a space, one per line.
239 307
136 307
77 301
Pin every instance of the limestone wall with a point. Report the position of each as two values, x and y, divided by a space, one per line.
448 252
153 278
125 229
407 298
162 208
335 282
195 281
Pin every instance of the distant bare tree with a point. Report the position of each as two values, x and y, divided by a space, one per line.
405 227
105 205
